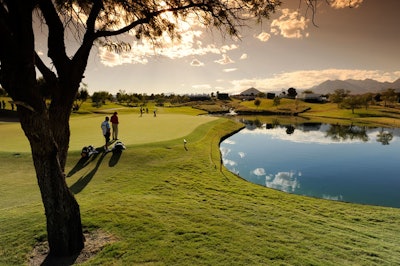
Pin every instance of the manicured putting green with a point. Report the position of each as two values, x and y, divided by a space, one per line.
133 129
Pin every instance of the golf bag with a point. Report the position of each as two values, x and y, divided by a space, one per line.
119 146
88 151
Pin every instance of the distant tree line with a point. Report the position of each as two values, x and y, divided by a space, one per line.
345 100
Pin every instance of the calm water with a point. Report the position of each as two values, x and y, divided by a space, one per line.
345 163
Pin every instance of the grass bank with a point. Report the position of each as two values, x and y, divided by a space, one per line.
169 206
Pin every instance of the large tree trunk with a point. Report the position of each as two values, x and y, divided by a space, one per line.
63 219
18 77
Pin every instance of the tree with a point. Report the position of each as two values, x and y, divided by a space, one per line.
367 99
3 92
44 88
352 102
389 96
99 98
47 128
81 97
257 102
277 101
338 95
292 93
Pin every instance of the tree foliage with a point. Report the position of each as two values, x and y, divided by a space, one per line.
81 96
292 93
99 98
338 95
352 102
389 96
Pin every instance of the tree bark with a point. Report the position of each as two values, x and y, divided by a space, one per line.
43 130
63 219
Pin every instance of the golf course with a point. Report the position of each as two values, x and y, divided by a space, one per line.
159 203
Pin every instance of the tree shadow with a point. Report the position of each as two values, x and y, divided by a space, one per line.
115 158
82 182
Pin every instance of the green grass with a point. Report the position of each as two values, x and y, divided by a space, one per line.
169 206
133 128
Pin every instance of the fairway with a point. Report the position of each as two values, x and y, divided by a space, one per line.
133 129
173 206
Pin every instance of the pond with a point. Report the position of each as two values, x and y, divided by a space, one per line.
336 162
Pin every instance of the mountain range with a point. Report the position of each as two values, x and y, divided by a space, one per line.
355 86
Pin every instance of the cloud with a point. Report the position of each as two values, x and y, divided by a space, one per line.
196 63
190 44
243 57
227 70
290 24
263 36
201 87
346 3
306 79
224 60
242 154
111 59
227 48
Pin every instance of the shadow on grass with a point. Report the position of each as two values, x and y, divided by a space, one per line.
115 158
82 182
83 162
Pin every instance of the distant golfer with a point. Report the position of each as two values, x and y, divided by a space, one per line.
105 126
184 144
114 123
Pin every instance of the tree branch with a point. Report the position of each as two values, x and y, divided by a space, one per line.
48 75
148 17
56 45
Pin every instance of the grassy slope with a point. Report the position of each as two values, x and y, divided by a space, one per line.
169 206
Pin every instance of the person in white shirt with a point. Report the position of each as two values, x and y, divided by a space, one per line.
105 126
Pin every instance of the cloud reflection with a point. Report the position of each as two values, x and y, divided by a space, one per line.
225 151
285 181
329 197
307 136
229 162
228 141
259 171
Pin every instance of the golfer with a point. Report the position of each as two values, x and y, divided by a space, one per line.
114 123
105 126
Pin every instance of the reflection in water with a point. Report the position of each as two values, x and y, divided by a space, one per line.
336 162
285 181
340 132
328 197
384 137
336 132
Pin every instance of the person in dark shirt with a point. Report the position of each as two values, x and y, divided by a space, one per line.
114 122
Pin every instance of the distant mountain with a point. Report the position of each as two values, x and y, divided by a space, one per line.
355 86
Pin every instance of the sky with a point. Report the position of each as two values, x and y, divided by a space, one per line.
287 50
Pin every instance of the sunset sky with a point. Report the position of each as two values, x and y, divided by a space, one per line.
286 51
